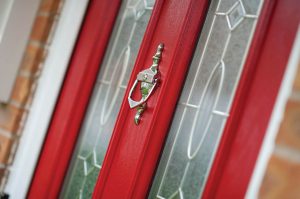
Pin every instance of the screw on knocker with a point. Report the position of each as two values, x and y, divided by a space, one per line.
148 79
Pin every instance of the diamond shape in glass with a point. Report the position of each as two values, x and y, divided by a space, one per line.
139 10
236 15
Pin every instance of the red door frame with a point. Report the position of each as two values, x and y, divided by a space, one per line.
80 78
264 65
254 100
73 100
134 150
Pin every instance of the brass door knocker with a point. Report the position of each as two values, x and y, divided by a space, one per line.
148 79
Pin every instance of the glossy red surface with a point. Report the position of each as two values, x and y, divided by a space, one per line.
254 101
73 100
133 153
134 150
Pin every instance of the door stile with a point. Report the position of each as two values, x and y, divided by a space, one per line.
134 150
73 100
240 98
254 100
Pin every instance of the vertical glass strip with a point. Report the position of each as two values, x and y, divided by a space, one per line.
206 99
107 96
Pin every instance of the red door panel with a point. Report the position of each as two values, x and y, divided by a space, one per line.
254 102
73 100
134 150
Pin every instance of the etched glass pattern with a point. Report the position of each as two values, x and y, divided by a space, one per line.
205 101
107 97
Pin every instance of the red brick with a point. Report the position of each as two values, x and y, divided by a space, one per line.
41 28
32 58
10 117
282 180
289 133
5 148
49 5
21 89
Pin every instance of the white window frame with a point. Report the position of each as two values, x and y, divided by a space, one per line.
45 98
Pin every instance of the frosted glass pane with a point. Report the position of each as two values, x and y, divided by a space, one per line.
107 97
206 98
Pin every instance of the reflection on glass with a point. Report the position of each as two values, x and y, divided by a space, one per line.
107 97
206 99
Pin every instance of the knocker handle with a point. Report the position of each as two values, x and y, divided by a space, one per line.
148 79
133 103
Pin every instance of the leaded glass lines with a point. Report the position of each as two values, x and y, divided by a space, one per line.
107 96
206 99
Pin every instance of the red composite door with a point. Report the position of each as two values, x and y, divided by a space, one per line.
166 99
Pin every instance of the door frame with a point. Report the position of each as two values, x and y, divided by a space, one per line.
143 143
251 110
45 97
73 99
263 65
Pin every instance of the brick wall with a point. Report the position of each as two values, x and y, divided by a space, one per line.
13 114
282 177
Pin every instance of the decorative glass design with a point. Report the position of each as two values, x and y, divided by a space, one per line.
206 99
107 97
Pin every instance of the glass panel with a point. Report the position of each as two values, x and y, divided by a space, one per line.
206 99
107 97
